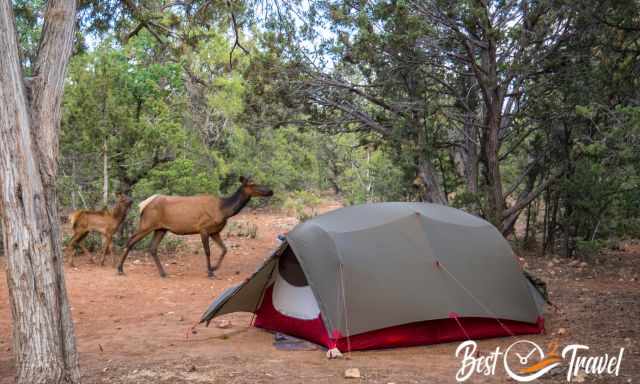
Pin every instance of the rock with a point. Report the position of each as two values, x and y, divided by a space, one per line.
573 263
192 368
583 264
561 331
352 373
579 378
550 264
223 324
334 353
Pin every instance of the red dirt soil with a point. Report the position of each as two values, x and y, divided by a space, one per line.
132 329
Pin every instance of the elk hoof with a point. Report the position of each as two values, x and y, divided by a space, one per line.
120 271
163 275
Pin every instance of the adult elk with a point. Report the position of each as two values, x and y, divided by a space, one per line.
106 222
206 215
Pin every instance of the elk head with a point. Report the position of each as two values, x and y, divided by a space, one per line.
254 190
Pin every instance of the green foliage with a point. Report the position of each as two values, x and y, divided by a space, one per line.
301 204
359 100
181 176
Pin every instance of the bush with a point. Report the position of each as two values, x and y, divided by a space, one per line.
240 229
301 204
588 249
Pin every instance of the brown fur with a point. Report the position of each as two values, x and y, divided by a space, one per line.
105 222
188 215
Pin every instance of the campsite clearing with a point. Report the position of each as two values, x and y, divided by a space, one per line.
132 329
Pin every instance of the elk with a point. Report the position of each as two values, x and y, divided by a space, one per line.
205 215
106 222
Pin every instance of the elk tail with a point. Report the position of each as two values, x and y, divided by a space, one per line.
146 202
73 217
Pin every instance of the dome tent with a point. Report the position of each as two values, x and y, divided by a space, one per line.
387 275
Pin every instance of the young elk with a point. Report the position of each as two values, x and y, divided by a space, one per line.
106 222
189 215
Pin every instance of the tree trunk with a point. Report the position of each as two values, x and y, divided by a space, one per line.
105 175
43 334
74 198
432 192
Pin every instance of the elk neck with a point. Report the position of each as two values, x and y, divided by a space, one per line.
233 204
119 212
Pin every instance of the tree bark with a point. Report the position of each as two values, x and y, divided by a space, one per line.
105 175
43 334
74 199
432 192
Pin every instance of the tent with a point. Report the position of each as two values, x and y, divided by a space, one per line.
388 275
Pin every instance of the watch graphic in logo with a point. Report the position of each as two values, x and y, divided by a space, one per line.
525 361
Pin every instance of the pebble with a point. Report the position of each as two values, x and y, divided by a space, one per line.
352 373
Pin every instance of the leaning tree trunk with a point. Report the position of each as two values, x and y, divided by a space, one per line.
43 334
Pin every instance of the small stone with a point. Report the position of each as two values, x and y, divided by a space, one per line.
352 373
550 264
561 331
583 264
223 324
192 368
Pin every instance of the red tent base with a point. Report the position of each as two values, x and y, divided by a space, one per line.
419 333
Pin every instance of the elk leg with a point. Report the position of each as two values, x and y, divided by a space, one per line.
84 249
218 240
77 238
158 235
130 243
204 236
107 247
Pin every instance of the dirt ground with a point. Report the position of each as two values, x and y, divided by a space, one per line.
131 329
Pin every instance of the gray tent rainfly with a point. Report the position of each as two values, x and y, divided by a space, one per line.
389 274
